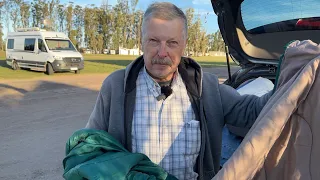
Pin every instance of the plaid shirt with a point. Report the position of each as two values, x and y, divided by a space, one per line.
166 130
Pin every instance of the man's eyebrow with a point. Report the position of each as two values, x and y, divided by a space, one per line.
170 39
173 39
153 37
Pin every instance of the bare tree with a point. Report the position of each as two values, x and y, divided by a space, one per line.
25 14
7 7
190 16
61 16
78 24
1 27
203 42
90 26
69 13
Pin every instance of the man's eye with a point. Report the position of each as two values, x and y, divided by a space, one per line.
173 43
153 42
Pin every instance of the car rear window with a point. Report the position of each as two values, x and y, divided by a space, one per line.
261 16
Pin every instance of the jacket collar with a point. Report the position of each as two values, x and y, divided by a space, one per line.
189 70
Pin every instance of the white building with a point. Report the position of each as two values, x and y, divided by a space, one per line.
125 51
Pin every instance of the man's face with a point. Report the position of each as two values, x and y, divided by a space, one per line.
163 45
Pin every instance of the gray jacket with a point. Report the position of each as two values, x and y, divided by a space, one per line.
214 105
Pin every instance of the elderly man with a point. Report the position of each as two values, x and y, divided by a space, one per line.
164 106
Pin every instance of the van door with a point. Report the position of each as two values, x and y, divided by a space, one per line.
28 58
41 55
9 51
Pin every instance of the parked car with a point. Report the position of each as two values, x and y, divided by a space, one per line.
41 50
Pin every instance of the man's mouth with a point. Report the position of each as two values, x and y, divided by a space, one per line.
162 64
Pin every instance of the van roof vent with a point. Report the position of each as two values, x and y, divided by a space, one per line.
30 29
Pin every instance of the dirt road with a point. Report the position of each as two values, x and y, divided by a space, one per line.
37 116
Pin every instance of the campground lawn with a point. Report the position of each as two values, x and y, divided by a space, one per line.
96 63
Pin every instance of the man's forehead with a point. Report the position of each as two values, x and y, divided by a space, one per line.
170 29
164 36
158 20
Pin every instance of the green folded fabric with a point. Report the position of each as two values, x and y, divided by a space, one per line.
94 154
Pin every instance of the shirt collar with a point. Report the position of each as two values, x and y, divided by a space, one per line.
155 87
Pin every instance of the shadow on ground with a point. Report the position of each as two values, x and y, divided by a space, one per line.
4 64
35 125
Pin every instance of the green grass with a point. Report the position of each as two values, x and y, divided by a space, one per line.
96 64
204 61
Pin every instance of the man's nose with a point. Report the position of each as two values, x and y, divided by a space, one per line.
162 52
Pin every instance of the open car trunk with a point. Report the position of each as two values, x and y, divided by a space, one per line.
257 31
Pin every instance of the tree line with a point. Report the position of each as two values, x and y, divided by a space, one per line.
97 28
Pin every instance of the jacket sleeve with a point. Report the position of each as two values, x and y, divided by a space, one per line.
241 110
99 116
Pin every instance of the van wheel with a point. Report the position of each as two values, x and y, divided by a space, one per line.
49 69
77 71
15 65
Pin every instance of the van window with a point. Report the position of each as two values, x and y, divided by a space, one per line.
29 44
10 44
41 45
60 45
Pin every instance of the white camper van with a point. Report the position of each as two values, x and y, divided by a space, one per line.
41 50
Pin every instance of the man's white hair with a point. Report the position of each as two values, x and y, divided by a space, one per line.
164 11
